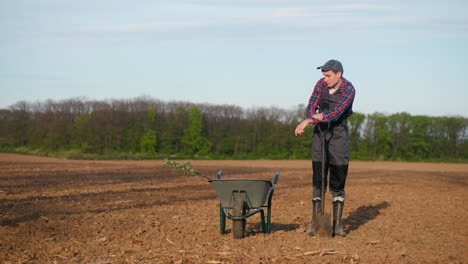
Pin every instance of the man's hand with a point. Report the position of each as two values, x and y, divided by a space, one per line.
318 116
300 128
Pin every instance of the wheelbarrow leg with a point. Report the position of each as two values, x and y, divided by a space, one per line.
222 220
264 228
275 180
222 215
269 219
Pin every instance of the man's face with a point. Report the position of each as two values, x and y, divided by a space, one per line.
331 78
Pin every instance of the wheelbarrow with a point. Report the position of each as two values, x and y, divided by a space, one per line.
240 199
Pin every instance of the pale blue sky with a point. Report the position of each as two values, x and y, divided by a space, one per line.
400 55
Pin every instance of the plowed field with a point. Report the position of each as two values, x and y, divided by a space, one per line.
63 211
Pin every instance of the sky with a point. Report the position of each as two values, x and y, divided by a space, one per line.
401 56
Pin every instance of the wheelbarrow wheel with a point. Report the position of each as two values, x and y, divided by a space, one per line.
238 225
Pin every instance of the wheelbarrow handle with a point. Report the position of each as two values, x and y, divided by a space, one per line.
276 177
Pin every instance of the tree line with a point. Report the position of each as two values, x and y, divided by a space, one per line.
155 129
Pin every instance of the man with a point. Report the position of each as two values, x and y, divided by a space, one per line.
329 107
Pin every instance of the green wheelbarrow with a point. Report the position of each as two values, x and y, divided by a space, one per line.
243 198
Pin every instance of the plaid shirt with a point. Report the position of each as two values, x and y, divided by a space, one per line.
345 101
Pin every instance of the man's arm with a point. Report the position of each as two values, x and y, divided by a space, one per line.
314 101
301 127
311 109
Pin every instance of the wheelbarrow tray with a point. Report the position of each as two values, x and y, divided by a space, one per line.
255 190
243 198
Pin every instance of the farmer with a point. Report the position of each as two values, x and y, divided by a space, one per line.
329 107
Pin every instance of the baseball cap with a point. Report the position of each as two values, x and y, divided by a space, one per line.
332 65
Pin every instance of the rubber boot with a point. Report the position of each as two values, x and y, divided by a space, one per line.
337 214
316 209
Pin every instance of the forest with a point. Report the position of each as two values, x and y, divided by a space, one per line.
147 128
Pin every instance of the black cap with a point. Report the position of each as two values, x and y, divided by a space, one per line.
332 65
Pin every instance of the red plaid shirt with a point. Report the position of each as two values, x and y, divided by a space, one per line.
345 102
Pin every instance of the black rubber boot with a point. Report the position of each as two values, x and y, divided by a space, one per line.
337 214
316 209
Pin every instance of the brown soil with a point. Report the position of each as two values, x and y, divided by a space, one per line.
62 211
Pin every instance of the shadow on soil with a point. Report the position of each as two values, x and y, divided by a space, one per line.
363 215
283 227
257 228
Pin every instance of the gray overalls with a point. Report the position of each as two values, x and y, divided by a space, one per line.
337 150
